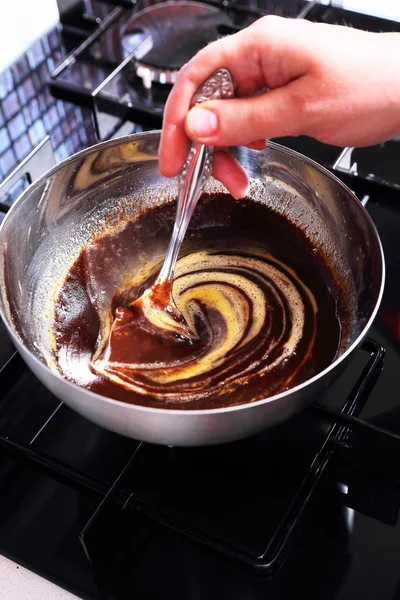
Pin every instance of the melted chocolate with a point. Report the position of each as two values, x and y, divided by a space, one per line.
266 310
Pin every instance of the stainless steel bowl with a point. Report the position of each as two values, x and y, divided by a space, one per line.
58 214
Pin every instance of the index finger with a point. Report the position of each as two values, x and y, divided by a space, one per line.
231 53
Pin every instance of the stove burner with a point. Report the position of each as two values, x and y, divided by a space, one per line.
177 30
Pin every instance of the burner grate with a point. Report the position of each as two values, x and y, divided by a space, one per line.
272 479
192 491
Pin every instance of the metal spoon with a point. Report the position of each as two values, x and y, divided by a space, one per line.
157 301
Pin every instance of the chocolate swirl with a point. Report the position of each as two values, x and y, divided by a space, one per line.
249 313
265 309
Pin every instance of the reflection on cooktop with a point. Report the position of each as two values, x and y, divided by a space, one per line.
379 162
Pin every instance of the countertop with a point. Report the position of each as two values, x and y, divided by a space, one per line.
17 583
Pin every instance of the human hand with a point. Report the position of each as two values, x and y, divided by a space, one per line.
336 84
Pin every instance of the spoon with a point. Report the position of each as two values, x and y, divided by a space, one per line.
157 302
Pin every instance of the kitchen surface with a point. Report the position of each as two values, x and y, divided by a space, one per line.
311 505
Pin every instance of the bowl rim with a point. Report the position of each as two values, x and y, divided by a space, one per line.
155 133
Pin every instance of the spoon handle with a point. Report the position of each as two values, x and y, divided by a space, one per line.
195 173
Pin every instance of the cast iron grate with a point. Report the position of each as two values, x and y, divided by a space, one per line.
148 485
175 497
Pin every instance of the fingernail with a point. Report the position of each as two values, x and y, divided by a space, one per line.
202 122
241 195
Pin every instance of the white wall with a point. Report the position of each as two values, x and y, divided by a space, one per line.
381 8
22 22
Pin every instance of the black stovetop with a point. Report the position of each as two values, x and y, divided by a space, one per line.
309 508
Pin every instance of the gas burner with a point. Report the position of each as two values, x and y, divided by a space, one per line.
173 32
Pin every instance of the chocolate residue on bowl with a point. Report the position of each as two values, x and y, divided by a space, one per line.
268 310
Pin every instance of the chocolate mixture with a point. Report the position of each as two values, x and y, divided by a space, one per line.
265 309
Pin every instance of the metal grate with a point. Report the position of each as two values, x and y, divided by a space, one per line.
142 488
157 500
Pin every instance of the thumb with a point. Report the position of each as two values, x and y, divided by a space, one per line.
240 121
